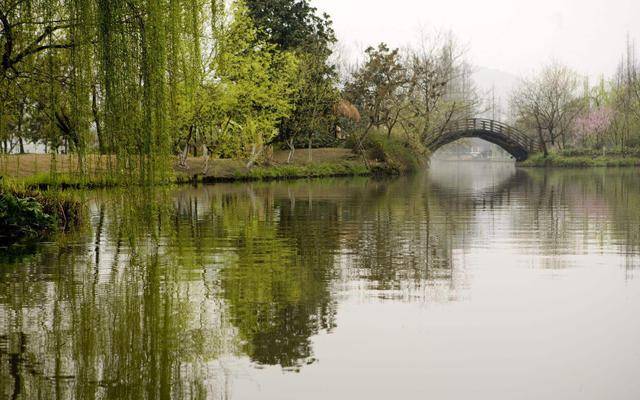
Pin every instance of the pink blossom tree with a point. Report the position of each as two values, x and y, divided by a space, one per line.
590 127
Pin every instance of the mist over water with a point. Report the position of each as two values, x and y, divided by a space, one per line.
471 280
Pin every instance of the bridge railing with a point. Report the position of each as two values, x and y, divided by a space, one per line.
488 125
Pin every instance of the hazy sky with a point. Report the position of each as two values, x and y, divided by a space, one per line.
515 36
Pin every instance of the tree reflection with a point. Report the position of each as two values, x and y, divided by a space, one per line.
98 319
166 286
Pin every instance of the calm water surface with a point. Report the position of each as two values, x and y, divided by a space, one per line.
470 281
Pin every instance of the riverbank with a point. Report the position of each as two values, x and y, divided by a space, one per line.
31 215
580 161
325 162
35 170
29 209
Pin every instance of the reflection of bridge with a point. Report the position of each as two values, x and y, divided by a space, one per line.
515 142
501 183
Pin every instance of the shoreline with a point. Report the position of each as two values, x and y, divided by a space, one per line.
34 205
284 173
345 164
33 171
28 215
565 161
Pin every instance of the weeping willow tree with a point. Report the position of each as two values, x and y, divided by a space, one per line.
139 80
132 62
105 71
46 74
79 122
186 73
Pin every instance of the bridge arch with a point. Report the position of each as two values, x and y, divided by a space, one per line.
515 142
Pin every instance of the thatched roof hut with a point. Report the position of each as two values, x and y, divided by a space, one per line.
344 108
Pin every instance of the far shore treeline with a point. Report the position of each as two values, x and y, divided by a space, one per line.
147 84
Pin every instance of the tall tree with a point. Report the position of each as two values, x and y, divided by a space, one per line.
294 25
257 86
440 88
376 88
549 104
291 24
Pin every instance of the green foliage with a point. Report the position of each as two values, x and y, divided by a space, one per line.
135 79
22 218
304 171
377 85
607 152
44 181
28 214
564 161
233 103
294 25
397 155
256 86
291 24
315 95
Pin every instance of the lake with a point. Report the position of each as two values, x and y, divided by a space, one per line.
472 280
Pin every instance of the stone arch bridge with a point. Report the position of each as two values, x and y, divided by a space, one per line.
514 141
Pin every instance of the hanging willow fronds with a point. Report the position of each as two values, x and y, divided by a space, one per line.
134 79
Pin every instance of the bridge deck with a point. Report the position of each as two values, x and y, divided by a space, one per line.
516 142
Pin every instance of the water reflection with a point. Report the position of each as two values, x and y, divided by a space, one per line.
181 293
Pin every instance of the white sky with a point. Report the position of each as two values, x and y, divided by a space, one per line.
515 36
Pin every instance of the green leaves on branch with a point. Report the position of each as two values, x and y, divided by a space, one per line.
256 82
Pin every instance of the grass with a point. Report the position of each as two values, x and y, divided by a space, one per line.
27 214
45 180
616 152
30 211
392 155
304 171
580 161
34 170
40 171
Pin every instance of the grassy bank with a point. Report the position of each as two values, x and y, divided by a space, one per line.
580 161
317 170
34 171
326 162
27 214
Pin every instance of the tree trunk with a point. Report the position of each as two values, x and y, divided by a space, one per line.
192 129
254 155
19 130
185 152
360 144
96 119
392 124
292 150
543 143
205 152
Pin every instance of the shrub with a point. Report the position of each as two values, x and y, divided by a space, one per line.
580 161
398 155
22 218
599 153
32 215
